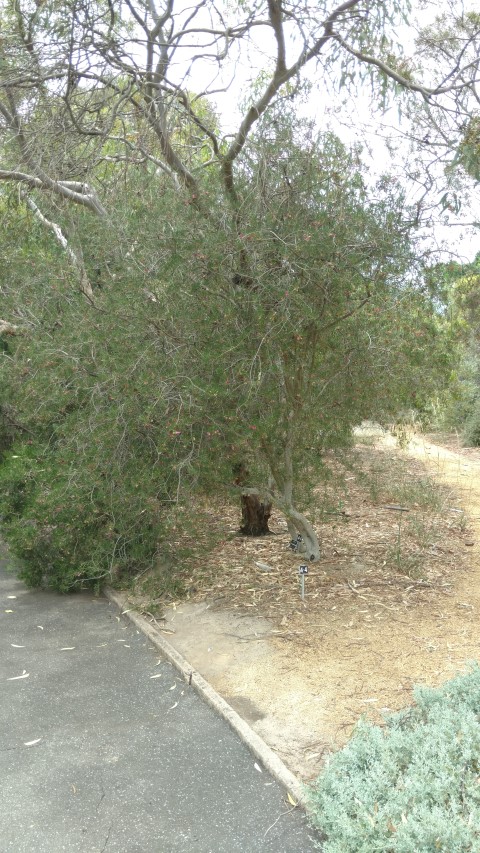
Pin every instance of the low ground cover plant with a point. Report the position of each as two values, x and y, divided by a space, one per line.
411 786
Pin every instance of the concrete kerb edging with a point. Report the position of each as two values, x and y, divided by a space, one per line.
256 745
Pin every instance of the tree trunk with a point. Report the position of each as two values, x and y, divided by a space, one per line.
308 545
256 510
304 539
255 515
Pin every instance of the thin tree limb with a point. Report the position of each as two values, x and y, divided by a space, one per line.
75 258
74 191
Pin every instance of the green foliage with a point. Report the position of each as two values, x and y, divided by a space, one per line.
468 153
88 485
72 522
471 429
247 334
250 297
454 288
328 329
411 786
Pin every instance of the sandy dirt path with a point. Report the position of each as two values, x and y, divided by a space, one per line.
303 688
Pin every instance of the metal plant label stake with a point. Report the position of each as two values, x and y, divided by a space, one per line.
302 571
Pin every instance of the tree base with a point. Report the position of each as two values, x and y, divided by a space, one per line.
255 515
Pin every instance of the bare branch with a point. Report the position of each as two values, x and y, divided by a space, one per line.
346 315
75 257
138 147
275 15
71 190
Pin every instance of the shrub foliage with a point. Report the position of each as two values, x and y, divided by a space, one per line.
262 336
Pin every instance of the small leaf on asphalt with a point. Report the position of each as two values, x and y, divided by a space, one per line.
257 767
291 800
24 674
173 687
32 742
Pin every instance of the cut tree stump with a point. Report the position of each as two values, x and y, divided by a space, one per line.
255 515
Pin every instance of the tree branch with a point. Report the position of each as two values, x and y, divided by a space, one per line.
75 258
74 191
394 75
281 75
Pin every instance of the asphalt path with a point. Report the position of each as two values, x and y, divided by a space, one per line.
105 749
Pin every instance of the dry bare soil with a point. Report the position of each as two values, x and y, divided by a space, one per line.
394 601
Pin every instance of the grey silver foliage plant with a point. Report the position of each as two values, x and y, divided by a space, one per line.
412 786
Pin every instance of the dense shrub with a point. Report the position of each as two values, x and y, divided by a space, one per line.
70 525
412 786
204 344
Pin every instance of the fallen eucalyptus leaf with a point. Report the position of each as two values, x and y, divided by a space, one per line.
25 674
263 566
